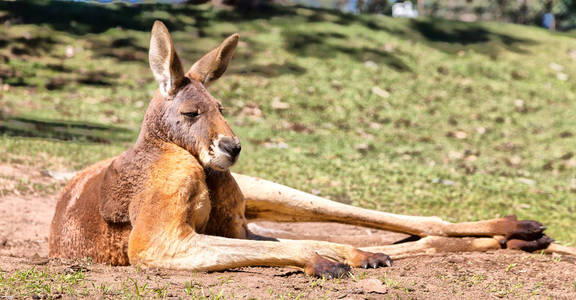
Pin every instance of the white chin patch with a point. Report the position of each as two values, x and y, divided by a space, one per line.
216 158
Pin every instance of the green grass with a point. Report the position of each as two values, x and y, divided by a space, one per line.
35 281
465 121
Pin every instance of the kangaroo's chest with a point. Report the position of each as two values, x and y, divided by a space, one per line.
177 192
199 207
214 208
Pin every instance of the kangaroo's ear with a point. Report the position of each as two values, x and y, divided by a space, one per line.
212 65
164 61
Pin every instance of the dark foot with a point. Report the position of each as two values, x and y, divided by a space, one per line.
323 267
523 230
367 260
542 243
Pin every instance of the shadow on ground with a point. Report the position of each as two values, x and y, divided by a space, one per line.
451 37
63 130
92 18
444 35
319 45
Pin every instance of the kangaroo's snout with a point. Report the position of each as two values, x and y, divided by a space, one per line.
230 146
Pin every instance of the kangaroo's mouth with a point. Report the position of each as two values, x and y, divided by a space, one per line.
217 159
221 161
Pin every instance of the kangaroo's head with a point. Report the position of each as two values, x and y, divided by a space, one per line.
183 112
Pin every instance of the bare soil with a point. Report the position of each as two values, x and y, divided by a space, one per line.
25 216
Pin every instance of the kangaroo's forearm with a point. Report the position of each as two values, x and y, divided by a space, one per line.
212 253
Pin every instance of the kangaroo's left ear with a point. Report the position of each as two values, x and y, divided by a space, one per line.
164 61
212 65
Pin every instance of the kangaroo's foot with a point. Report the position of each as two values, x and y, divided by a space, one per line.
522 230
323 267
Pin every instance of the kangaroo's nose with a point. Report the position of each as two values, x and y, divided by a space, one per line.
230 145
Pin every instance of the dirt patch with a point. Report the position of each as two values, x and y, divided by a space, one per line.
24 227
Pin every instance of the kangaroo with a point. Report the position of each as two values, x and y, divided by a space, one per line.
170 201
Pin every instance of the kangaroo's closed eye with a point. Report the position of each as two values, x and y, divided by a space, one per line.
191 114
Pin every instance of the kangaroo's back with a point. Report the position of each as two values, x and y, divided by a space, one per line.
79 230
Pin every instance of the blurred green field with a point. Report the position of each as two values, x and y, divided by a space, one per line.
425 117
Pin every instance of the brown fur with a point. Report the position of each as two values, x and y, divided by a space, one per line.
78 230
170 200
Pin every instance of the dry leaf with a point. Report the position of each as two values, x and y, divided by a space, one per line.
380 92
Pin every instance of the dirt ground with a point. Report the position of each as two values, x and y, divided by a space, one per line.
25 215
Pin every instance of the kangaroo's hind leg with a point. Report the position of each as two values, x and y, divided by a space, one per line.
266 200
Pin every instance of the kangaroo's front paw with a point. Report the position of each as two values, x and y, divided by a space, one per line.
522 230
323 267
364 259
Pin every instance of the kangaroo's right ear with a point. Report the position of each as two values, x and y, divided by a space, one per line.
164 61
212 65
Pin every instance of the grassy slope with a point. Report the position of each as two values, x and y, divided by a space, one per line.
474 122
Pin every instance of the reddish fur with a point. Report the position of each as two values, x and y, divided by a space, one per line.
80 231
159 184
174 172
159 170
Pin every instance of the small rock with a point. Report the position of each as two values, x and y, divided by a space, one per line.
58 175
526 181
454 155
375 125
370 64
443 181
363 148
388 47
70 51
520 105
461 135
354 291
75 268
556 67
373 285
279 145
277 104
572 54
562 76
570 164
38 260
515 160
380 92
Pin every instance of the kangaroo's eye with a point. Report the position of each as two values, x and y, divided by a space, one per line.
192 114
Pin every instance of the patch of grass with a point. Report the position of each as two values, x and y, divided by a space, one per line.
23 186
391 283
472 279
318 282
39 282
510 267
356 276
465 121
